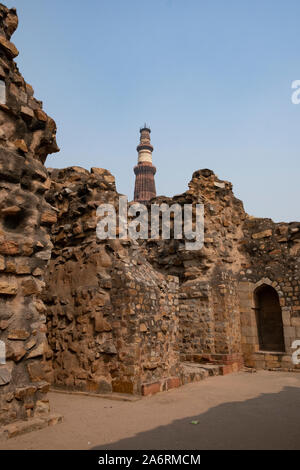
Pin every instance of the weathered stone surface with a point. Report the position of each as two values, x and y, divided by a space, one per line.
24 392
36 371
8 286
173 382
9 48
101 324
4 324
27 136
30 287
42 408
27 112
18 335
151 389
102 302
11 22
5 373
48 217
12 210
264 234
41 115
9 247
113 303
105 174
38 351
20 144
15 351
19 428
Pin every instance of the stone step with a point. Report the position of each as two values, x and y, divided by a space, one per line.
194 372
33 424
108 396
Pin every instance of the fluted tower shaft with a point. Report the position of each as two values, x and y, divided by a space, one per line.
144 181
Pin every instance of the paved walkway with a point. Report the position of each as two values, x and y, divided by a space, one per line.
238 411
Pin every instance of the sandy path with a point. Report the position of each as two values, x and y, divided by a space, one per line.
241 411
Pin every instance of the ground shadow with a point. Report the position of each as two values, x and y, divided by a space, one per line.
270 421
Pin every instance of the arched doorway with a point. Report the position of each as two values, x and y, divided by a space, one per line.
269 319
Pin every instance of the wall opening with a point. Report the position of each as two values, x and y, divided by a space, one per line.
269 319
14 221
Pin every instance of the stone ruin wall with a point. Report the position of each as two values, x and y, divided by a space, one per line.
27 136
217 319
119 316
112 320
110 283
273 253
209 304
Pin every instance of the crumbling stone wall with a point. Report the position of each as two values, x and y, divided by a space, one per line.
209 304
27 136
112 319
218 283
119 314
272 252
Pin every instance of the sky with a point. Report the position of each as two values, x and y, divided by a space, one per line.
212 78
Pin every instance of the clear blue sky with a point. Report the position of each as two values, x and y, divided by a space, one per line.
211 77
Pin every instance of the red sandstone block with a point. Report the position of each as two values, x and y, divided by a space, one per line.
173 382
226 369
235 367
150 389
230 368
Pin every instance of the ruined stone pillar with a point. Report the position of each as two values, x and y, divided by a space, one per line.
27 136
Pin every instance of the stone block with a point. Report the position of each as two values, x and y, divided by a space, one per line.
263 234
173 382
18 335
27 112
5 373
9 48
120 386
226 369
151 388
24 392
36 371
101 325
15 350
38 351
8 286
41 115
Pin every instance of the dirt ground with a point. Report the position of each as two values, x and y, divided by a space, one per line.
238 411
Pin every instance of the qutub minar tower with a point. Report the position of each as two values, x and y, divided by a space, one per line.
144 182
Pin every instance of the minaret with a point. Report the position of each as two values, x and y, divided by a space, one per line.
144 182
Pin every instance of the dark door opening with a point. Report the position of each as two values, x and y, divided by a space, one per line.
269 319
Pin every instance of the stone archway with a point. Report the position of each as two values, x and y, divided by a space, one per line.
269 319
